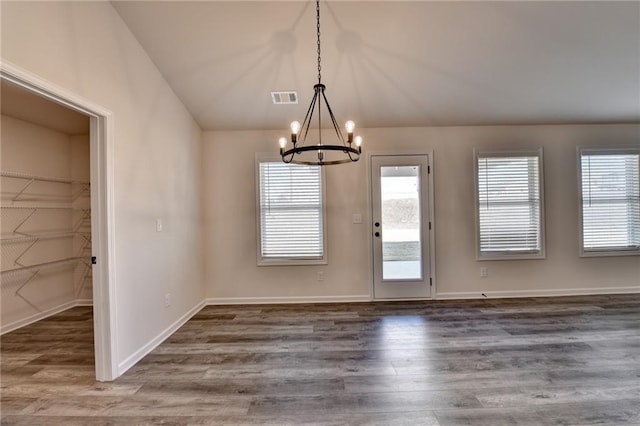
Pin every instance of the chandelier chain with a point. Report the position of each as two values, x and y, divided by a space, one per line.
318 32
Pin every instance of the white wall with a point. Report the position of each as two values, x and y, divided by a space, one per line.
230 226
86 48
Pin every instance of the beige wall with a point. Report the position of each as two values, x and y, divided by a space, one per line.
32 149
85 48
230 225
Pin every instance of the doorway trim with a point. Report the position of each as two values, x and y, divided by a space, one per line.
102 209
432 239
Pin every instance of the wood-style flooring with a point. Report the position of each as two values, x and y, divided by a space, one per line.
543 361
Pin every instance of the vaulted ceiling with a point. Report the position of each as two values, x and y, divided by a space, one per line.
396 63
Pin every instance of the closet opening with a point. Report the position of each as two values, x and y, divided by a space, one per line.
54 243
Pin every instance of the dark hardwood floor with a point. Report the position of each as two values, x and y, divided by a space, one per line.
545 361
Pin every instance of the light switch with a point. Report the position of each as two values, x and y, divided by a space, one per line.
158 225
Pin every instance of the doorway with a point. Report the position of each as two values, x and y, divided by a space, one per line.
402 225
101 205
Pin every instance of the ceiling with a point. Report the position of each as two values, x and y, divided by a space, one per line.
396 63
18 103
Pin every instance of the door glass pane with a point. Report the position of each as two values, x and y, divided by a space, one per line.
401 236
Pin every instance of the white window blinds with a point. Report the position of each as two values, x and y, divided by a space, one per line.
291 211
509 204
610 200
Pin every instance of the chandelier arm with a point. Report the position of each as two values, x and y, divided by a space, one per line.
320 124
336 127
290 158
352 159
322 163
307 118
300 149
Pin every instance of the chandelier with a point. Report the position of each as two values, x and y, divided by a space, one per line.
343 151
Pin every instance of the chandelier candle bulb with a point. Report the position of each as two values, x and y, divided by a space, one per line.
359 143
350 125
295 128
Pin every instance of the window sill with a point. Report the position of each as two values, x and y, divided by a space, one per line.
291 262
610 253
511 256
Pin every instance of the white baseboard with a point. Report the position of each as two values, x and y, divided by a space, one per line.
285 300
131 360
538 293
6 328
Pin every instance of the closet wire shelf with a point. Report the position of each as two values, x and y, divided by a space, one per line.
19 200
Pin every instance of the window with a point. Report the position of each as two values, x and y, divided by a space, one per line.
510 219
609 201
290 208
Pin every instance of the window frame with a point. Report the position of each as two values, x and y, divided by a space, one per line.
599 150
286 261
510 255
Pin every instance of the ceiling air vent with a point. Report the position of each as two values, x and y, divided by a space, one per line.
284 98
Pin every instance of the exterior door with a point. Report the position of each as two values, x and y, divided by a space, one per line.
401 226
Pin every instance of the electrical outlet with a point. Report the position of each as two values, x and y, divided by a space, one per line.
320 276
484 272
357 218
167 300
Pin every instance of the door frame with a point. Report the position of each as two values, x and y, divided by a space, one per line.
102 209
431 203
